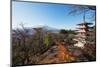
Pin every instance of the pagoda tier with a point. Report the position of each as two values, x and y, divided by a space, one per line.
81 27
80 36
84 28
83 31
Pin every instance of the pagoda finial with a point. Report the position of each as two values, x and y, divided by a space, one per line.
84 16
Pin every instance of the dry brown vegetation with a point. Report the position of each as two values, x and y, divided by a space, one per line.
57 48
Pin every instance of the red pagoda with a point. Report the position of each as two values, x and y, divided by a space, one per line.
83 31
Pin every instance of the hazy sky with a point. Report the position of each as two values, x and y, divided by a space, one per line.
35 14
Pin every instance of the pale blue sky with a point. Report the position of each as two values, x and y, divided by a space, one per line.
52 15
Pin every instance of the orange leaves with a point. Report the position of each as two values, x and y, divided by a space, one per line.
64 55
62 52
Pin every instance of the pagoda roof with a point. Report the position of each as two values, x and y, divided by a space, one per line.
85 23
76 30
84 28
81 32
80 28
